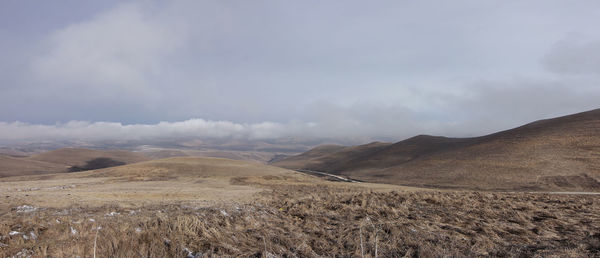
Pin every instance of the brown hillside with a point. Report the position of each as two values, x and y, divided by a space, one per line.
17 166
78 157
553 154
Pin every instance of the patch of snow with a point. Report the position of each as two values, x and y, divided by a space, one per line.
62 212
224 213
92 220
191 254
73 231
24 253
33 235
25 209
12 233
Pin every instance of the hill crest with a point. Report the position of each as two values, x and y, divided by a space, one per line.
552 154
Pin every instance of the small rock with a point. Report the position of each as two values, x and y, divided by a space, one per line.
112 213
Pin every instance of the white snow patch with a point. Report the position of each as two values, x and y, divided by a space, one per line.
25 208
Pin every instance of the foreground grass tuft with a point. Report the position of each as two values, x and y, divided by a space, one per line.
429 224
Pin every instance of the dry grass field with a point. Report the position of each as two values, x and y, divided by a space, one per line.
314 222
208 207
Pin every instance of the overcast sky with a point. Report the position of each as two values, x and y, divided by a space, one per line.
268 69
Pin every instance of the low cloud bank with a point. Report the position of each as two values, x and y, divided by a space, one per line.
81 130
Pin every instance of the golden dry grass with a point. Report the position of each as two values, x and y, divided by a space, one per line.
59 161
78 156
318 221
184 179
208 207
18 166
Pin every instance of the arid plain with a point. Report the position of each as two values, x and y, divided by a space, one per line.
130 205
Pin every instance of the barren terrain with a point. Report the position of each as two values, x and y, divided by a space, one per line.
560 154
308 221
60 160
214 207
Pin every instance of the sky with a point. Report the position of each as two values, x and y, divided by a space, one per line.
384 70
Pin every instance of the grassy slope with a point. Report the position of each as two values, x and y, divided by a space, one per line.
181 179
17 166
58 161
78 156
553 154
182 206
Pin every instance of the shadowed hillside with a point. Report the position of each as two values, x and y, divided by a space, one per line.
553 154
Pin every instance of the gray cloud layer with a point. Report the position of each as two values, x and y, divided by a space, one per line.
385 70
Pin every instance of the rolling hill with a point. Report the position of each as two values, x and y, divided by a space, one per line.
165 181
553 154
18 166
61 160
79 156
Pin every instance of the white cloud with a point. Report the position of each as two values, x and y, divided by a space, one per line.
344 124
574 57
389 70
81 130
117 50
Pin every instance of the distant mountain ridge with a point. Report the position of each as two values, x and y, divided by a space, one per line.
552 154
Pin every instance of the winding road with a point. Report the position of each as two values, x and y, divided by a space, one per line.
340 178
